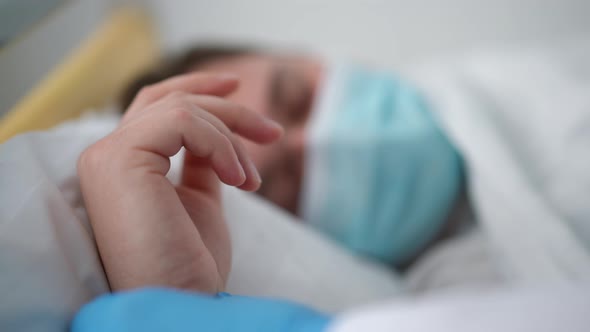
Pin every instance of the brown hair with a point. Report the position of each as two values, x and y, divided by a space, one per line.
181 63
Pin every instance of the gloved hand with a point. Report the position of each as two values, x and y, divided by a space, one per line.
158 309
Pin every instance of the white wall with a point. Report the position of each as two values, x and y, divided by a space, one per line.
379 30
383 31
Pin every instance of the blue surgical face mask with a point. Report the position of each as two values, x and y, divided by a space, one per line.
379 177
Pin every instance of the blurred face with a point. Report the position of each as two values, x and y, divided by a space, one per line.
282 88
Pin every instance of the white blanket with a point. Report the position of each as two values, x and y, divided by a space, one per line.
552 308
521 120
50 267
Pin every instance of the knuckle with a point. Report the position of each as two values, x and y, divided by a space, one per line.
93 156
148 92
181 113
175 95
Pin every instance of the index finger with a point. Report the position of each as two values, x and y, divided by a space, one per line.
218 84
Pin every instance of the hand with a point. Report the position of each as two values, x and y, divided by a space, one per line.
148 231
151 310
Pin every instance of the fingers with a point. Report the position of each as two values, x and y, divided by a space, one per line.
205 125
177 124
193 83
253 179
217 147
239 119
228 117
202 89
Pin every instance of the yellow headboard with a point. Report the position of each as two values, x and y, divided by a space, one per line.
91 76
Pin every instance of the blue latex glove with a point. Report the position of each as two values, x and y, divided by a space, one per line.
159 310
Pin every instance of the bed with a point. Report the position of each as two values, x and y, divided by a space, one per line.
50 264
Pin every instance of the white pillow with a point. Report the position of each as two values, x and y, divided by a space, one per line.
275 254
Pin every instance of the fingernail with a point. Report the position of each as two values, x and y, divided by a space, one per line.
272 123
242 174
255 171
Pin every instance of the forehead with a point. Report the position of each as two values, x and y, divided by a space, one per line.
256 73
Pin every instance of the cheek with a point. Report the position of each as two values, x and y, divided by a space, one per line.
281 192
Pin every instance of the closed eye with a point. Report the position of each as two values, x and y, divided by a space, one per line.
291 96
